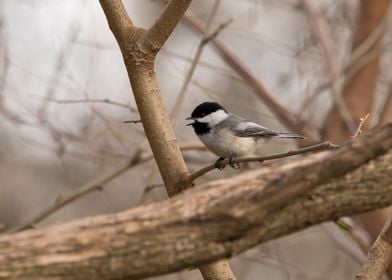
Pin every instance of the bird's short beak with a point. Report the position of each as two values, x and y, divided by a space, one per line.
190 118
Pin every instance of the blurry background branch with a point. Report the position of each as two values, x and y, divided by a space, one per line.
359 93
218 219
323 34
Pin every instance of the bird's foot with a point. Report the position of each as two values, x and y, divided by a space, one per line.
233 163
219 163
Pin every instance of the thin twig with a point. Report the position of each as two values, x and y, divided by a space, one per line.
133 121
360 56
59 67
87 100
64 200
215 33
359 129
195 61
349 71
317 147
354 233
95 185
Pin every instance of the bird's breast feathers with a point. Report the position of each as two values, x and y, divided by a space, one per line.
225 144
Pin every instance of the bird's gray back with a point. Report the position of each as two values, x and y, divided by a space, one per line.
244 128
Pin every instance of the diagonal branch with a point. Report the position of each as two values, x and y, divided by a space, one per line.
180 97
334 166
157 34
90 187
323 33
313 148
380 255
219 219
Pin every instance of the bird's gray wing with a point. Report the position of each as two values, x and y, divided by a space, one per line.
251 129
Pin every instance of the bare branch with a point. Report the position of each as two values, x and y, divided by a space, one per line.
119 22
324 36
317 147
216 220
133 121
359 129
363 54
359 93
157 34
65 200
87 100
92 186
380 255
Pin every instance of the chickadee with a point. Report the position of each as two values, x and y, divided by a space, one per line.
228 135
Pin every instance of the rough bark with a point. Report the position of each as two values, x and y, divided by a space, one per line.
216 220
139 48
380 255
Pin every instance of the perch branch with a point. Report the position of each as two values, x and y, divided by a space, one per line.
216 220
313 148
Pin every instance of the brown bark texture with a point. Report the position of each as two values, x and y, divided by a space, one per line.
380 255
139 48
216 220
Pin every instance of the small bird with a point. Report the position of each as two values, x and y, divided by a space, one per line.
230 136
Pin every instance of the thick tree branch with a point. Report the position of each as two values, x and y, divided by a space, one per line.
139 60
139 49
380 255
119 22
216 220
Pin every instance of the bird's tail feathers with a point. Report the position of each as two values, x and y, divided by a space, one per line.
289 135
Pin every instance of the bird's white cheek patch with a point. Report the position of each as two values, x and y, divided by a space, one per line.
214 118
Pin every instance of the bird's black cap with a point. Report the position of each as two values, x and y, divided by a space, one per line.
205 109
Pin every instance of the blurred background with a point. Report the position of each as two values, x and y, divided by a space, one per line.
65 94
